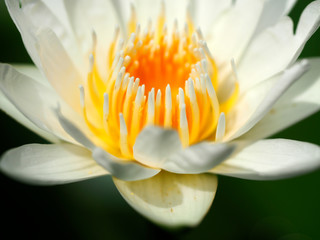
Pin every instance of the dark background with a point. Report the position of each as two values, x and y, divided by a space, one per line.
93 209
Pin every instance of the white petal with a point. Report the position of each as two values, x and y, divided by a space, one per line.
221 127
300 101
150 10
198 158
272 159
33 15
32 72
175 10
272 12
172 200
12 111
161 148
6 106
309 21
232 32
58 9
154 144
34 100
256 102
50 164
122 9
277 47
24 24
78 135
59 68
86 16
122 169
207 11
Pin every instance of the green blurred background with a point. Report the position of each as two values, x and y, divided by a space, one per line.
93 209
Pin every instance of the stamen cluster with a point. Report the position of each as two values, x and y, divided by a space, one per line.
155 78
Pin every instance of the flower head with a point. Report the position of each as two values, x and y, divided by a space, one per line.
162 95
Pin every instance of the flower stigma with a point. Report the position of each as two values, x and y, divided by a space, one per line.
156 77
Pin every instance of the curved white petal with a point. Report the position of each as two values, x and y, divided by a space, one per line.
78 131
24 24
32 72
272 12
154 144
30 16
80 136
277 47
174 10
123 169
161 148
206 12
256 102
233 30
59 68
94 15
34 100
50 164
6 106
12 111
198 158
150 10
58 9
172 200
309 21
300 101
272 159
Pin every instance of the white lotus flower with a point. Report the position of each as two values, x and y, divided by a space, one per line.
162 95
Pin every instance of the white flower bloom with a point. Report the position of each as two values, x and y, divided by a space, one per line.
162 95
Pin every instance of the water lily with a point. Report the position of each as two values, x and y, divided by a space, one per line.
162 95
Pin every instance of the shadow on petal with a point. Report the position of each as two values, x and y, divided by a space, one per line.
173 200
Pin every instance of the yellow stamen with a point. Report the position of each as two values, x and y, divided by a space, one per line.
155 78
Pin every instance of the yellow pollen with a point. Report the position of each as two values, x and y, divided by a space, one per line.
154 78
